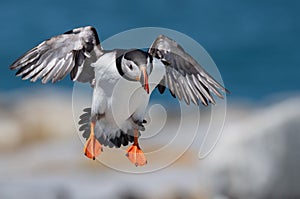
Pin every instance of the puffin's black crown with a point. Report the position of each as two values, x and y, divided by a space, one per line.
138 56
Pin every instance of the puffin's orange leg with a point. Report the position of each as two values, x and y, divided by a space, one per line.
135 153
92 146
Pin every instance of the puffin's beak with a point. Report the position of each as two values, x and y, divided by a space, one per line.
144 78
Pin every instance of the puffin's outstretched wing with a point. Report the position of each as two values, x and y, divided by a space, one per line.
184 77
54 58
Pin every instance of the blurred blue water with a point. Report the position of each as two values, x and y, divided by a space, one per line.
254 43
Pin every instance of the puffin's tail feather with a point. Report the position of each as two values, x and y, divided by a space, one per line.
121 138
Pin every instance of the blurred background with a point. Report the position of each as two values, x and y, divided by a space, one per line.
255 45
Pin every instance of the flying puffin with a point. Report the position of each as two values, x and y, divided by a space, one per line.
117 76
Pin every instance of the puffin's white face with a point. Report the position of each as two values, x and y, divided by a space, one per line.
131 70
136 66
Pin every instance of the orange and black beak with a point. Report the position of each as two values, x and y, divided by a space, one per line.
144 78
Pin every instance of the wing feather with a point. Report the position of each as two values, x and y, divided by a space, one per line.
53 71
54 58
62 71
185 78
191 91
182 84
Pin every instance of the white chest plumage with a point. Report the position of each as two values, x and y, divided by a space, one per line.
119 98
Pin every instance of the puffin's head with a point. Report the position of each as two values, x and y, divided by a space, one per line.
137 66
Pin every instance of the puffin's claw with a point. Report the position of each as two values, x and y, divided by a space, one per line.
138 124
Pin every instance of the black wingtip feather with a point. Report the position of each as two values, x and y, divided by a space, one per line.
227 91
13 66
26 74
22 69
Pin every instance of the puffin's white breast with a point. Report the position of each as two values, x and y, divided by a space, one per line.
123 98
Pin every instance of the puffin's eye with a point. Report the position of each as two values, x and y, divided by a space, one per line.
130 67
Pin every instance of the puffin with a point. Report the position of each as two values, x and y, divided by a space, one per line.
122 81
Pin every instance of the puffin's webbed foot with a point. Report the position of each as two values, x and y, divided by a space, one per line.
135 153
92 147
